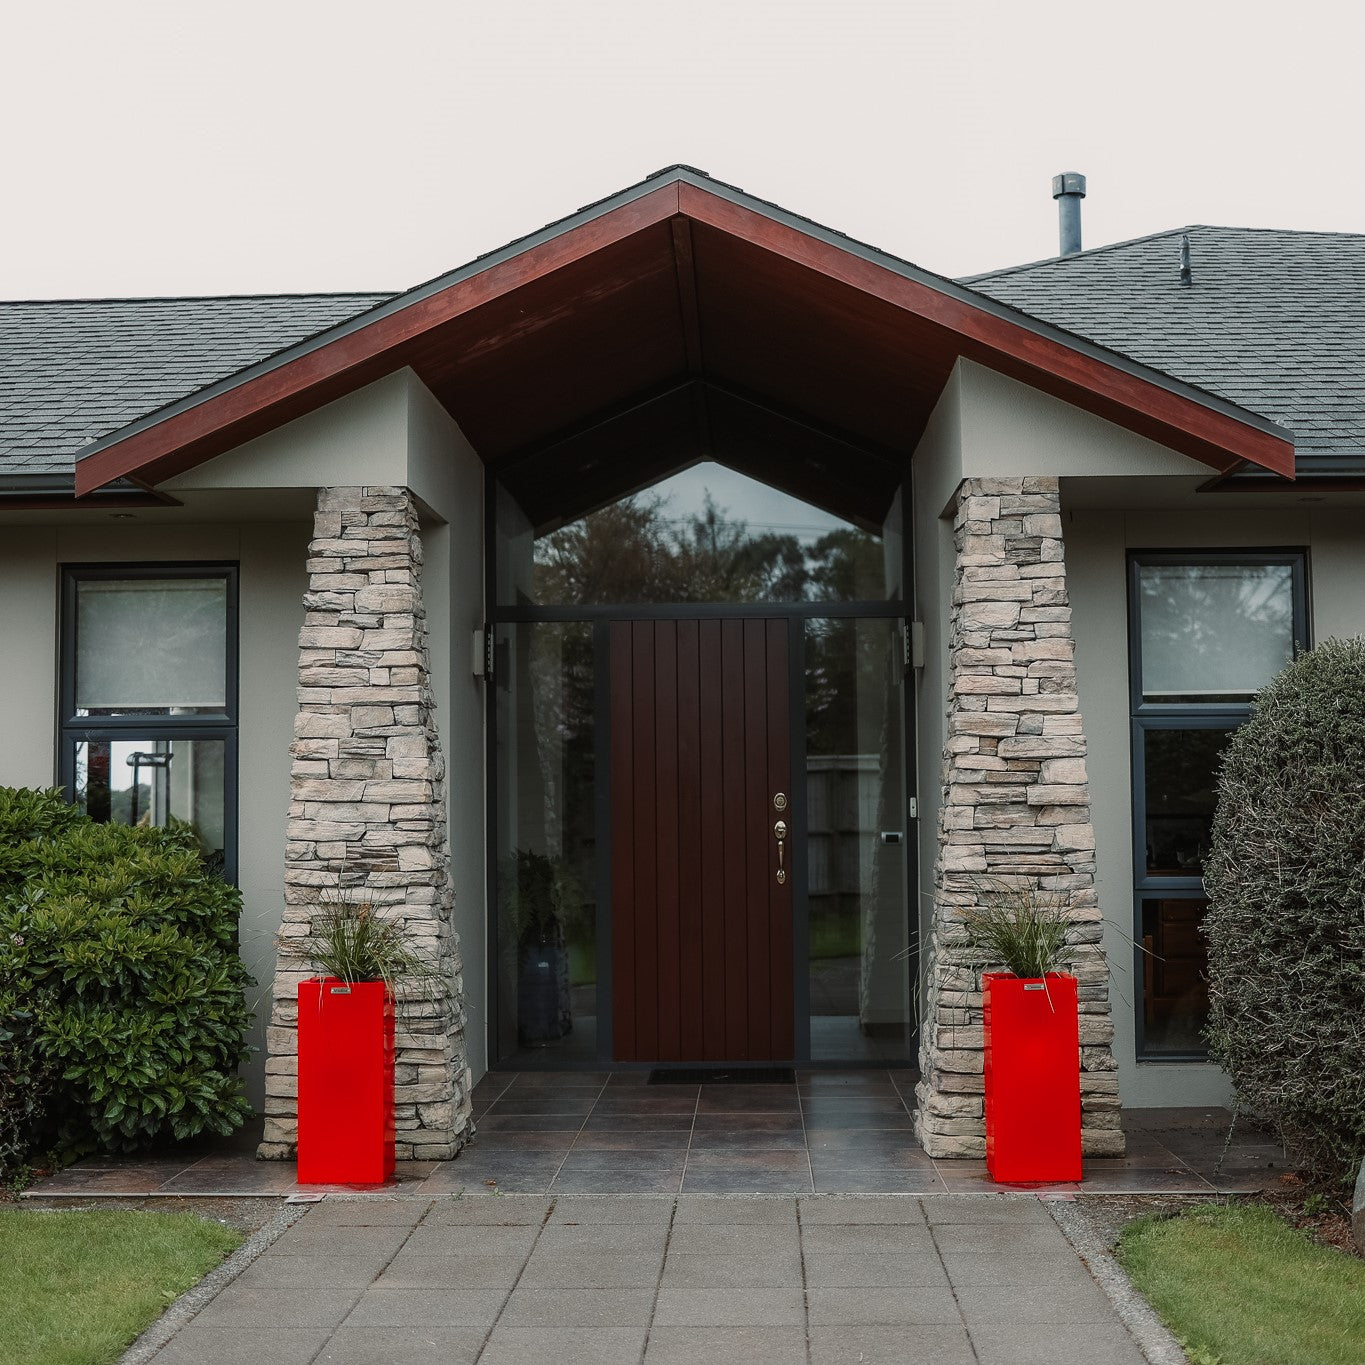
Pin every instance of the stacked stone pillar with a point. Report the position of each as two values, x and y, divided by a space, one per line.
367 815
1015 803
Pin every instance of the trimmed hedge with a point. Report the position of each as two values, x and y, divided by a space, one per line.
119 979
1286 918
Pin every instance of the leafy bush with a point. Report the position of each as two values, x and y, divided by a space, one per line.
119 968
1286 919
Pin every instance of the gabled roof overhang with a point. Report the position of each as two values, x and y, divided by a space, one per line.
684 285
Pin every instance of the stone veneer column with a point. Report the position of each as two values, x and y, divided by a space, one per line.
1015 802
368 809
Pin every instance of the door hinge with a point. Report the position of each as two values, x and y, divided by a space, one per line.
481 653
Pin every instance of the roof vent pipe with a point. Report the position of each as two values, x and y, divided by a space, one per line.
1068 189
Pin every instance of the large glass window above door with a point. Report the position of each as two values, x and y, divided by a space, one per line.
707 534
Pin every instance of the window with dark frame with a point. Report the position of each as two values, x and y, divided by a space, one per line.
1207 631
148 698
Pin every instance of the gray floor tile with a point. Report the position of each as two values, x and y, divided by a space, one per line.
317 1239
1054 1344
608 1238
779 1270
722 1239
1002 1239
728 1179
657 1180
861 1237
579 1269
661 1140
401 1346
312 1272
386 1306
926 1345
979 1267
537 1306
736 1210
564 1345
1077 1302
874 1270
255 1306
893 1209
373 1211
829 1179
883 1307
484 1239
986 1208
457 1270
637 1212
725 1346
729 1308
198 1345
508 1209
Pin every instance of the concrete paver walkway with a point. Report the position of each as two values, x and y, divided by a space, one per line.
514 1279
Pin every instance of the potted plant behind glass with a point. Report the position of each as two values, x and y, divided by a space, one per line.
1032 1034
534 889
346 1044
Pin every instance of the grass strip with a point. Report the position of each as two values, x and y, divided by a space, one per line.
1238 1286
77 1288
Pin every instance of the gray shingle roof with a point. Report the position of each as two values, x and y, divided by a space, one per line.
1273 321
73 370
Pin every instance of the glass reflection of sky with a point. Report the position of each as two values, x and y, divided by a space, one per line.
743 499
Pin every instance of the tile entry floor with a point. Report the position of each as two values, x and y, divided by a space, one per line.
610 1133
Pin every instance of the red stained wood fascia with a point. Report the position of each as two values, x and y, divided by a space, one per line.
182 441
1184 424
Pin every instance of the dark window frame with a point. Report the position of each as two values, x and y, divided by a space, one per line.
73 729
1147 717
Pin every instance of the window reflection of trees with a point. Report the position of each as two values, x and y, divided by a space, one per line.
634 551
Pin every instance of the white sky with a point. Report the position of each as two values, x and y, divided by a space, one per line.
205 147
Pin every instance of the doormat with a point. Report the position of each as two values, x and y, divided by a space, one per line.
722 1075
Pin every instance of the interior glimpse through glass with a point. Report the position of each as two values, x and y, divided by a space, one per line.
1182 794
1175 975
855 818
547 907
155 781
707 534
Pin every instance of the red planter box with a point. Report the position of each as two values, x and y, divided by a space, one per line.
1033 1078
346 1121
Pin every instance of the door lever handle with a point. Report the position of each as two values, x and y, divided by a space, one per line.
780 834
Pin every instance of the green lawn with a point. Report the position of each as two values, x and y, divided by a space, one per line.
1239 1286
76 1288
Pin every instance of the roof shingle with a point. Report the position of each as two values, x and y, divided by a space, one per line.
73 370
1273 321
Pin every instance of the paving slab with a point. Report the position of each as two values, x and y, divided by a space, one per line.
445 1280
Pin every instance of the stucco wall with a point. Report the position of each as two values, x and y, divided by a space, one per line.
272 581
987 425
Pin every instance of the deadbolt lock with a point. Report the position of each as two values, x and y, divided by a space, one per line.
780 801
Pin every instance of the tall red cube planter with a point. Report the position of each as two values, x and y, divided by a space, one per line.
1033 1078
346 1118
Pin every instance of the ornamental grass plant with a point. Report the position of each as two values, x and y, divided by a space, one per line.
1015 925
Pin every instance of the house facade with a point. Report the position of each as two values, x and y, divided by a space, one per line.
674 617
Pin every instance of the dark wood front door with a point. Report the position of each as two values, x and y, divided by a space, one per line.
701 922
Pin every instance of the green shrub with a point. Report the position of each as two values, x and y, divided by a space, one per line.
120 947
1286 919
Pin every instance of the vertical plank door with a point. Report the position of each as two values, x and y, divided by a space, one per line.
701 926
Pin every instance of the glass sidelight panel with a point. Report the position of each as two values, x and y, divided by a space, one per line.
156 781
546 888
857 840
